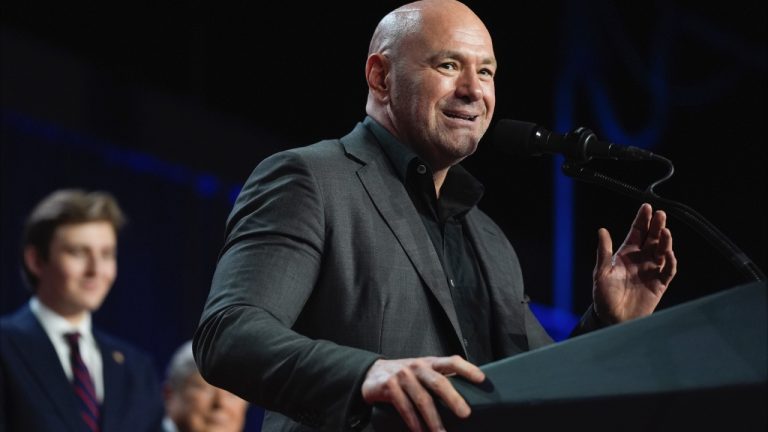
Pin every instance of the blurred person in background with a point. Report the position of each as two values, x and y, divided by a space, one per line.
57 371
193 405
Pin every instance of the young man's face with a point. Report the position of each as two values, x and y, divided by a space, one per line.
80 268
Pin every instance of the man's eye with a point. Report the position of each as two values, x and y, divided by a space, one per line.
77 252
486 72
449 66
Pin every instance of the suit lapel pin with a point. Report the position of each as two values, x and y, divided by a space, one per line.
118 357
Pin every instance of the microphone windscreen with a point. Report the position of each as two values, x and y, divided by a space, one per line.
514 138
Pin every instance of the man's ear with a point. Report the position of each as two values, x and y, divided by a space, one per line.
33 260
377 74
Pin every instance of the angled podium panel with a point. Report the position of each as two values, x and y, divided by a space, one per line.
700 365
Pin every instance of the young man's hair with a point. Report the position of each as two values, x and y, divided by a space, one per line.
65 207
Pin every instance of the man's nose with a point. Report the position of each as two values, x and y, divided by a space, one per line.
469 86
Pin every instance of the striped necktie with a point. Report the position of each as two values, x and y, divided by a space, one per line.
83 384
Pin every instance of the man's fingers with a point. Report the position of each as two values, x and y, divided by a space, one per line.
604 251
657 225
414 386
457 365
442 386
669 266
403 405
663 247
639 229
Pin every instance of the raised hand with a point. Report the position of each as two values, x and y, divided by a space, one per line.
630 283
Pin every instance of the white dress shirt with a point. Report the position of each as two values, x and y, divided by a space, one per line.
56 327
169 425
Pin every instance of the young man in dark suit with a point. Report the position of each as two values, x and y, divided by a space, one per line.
57 372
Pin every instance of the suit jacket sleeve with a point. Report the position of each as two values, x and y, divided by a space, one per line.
266 272
588 322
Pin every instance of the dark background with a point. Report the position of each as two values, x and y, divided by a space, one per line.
170 106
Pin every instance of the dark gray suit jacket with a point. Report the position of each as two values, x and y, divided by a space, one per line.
327 267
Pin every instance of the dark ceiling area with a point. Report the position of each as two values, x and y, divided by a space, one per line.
295 69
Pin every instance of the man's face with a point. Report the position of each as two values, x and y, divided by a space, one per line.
80 268
198 406
442 89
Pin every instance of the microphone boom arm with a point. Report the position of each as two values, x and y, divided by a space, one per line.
689 216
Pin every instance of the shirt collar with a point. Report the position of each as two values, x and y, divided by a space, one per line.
169 425
399 154
56 325
459 183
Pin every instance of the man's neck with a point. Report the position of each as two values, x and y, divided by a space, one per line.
439 178
74 317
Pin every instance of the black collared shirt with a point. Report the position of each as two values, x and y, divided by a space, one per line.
444 220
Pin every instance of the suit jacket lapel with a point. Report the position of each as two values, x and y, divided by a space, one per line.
505 285
34 346
391 199
114 383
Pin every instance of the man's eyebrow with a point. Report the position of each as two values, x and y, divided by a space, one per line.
490 60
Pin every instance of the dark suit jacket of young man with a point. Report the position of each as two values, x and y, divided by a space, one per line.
327 267
35 394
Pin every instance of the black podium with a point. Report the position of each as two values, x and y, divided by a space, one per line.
701 365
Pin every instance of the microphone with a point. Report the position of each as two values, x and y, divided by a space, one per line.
519 138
